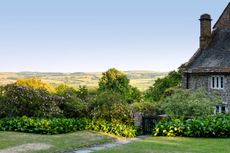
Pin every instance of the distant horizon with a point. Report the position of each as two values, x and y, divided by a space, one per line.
82 71
93 36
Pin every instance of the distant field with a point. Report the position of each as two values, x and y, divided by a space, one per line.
140 79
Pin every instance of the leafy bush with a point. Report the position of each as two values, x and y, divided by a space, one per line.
174 127
20 100
209 126
134 95
146 108
42 126
156 91
72 105
185 102
83 93
111 107
113 128
63 125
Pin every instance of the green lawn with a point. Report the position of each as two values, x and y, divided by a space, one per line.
71 141
59 143
173 145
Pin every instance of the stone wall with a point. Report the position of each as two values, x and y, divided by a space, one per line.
198 81
204 81
137 119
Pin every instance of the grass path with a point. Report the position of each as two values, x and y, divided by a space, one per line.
56 143
107 145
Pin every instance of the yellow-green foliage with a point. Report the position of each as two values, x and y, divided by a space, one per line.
35 83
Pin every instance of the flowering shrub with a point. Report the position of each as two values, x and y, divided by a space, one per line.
19 100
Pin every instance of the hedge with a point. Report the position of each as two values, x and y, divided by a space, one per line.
209 126
64 125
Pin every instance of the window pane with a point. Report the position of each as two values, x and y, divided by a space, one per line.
217 109
222 82
223 109
217 82
213 82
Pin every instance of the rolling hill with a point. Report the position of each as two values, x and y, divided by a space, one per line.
139 79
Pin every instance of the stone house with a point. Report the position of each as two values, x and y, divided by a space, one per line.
209 67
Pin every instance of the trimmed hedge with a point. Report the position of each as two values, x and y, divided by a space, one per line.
63 125
209 126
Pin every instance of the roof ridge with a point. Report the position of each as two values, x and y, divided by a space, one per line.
221 16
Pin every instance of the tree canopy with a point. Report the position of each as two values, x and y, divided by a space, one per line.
157 90
114 80
35 83
117 81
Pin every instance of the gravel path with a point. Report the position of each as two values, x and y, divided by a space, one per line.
107 145
26 147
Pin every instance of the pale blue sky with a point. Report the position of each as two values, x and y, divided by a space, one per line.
94 35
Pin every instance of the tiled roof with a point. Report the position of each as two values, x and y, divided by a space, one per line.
215 57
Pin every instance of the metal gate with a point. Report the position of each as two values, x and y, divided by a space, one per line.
148 123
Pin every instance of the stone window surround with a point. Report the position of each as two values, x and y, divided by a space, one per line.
219 109
217 82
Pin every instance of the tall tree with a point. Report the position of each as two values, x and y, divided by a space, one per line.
114 80
157 90
117 81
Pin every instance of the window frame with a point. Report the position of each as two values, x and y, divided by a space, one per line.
221 109
217 82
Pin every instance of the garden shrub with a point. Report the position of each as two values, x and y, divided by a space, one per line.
208 126
146 108
75 103
83 93
111 107
156 91
118 129
72 105
169 127
185 102
20 100
63 125
43 126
